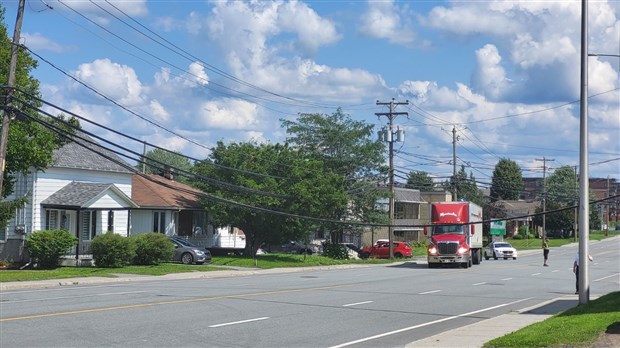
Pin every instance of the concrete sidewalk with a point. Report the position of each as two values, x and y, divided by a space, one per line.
476 335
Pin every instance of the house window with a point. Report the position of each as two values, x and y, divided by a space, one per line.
111 221
159 219
56 220
89 225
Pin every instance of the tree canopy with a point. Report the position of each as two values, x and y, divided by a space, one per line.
345 147
269 192
156 160
507 181
420 180
466 188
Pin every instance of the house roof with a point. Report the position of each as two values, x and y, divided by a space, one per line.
518 208
85 195
154 191
79 154
407 195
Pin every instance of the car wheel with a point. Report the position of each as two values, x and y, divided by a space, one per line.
494 256
486 257
433 265
187 258
514 258
364 255
398 255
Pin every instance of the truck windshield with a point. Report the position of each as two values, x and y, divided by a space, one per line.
443 229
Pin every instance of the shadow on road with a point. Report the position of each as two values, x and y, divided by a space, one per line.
554 307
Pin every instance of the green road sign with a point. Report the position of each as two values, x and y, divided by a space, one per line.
498 228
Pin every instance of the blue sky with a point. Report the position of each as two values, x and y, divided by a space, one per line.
504 74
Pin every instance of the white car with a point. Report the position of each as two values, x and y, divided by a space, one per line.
500 250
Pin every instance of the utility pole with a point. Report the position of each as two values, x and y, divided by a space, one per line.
388 135
7 115
576 206
454 139
584 184
544 200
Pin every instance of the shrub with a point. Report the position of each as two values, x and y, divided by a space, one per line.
517 236
152 248
335 251
46 247
112 250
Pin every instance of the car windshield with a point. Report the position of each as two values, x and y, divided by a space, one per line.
503 245
443 229
184 242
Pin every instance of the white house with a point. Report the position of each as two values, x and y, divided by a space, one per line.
86 192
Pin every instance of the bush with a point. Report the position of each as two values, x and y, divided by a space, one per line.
152 248
517 236
112 250
46 247
335 251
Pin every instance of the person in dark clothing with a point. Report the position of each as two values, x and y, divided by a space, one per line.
546 250
576 271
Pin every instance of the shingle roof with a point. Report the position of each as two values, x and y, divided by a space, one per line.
407 195
74 155
154 191
79 194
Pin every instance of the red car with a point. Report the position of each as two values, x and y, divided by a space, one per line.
381 250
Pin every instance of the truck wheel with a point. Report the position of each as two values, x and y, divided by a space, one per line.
476 257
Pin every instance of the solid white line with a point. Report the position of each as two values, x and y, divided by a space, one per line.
427 324
428 292
66 297
507 279
479 283
613 275
239 322
357 303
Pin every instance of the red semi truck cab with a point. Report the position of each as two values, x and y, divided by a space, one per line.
455 234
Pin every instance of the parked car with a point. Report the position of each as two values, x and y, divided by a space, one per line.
188 253
500 249
381 250
293 247
352 250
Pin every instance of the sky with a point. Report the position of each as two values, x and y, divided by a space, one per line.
183 75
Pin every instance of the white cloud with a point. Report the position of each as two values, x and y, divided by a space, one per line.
229 114
114 80
158 111
38 42
489 76
385 20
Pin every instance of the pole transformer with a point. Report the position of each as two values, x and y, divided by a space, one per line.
390 139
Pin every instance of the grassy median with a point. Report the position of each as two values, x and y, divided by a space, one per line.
577 327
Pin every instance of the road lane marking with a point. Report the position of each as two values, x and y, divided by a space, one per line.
428 292
357 303
427 324
481 283
66 297
238 322
507 279
162 303
535 274
554 271
599 279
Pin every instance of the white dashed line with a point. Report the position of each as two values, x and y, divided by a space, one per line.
356 303
238 322
428 292
479 283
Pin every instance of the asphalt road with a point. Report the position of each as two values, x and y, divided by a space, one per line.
378 306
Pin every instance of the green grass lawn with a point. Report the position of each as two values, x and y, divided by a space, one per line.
536 243
577 327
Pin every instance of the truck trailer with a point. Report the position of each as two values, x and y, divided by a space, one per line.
455 234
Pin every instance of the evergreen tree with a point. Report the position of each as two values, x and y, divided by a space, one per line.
420 180
507 181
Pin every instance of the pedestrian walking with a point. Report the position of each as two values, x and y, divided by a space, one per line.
546 250
576 271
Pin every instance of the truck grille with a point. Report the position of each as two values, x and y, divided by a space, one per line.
447 248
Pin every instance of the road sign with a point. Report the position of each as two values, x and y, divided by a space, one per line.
498 228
